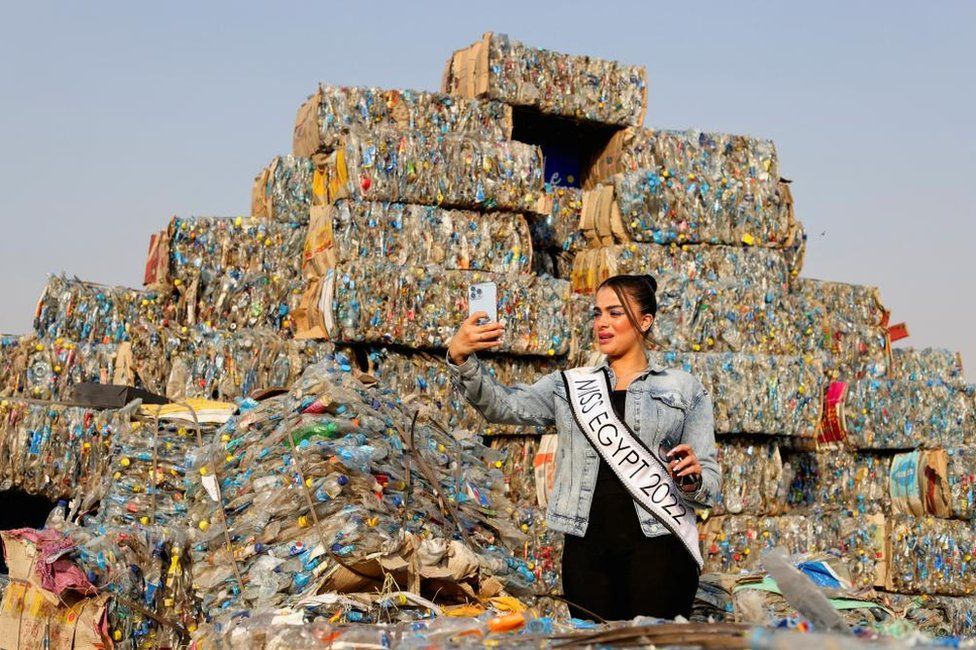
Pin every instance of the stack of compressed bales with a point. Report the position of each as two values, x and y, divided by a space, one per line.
417 196
704 209
369 234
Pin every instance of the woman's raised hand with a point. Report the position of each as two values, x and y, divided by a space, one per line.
472 337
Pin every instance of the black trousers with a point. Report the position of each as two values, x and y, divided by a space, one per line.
618 573
656 577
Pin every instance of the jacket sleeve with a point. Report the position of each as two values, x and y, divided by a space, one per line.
527 404
699 434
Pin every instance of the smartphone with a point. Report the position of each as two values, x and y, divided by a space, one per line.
483 297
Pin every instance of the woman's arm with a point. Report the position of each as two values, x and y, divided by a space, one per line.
699 435
531 404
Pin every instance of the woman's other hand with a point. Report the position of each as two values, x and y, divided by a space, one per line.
472 337
685 463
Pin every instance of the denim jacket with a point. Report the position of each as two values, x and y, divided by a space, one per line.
661 403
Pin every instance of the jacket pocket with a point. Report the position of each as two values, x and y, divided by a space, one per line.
668 408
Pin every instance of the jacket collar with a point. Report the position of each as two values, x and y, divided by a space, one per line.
653 367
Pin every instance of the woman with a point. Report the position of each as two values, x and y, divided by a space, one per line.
636 456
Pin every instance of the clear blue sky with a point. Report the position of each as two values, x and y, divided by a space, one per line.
117 115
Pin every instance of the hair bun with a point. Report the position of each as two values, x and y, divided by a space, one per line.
651 281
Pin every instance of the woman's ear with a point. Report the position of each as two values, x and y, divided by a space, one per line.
646 323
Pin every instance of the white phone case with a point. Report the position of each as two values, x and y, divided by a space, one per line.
483 297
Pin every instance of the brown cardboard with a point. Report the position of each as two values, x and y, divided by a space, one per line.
319 252
607 163
20 556
600 218
933 475
157 261
466 73
31 617
124 366
307 139
260 205
309 320
879 525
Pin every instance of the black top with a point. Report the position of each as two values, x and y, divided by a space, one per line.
607 483
613 517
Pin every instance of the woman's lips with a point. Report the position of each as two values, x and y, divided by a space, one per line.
603 338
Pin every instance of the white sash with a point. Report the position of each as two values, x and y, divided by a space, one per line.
645 476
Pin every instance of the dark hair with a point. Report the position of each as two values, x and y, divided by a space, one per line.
642 289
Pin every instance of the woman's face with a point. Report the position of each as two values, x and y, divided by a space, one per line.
612 330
